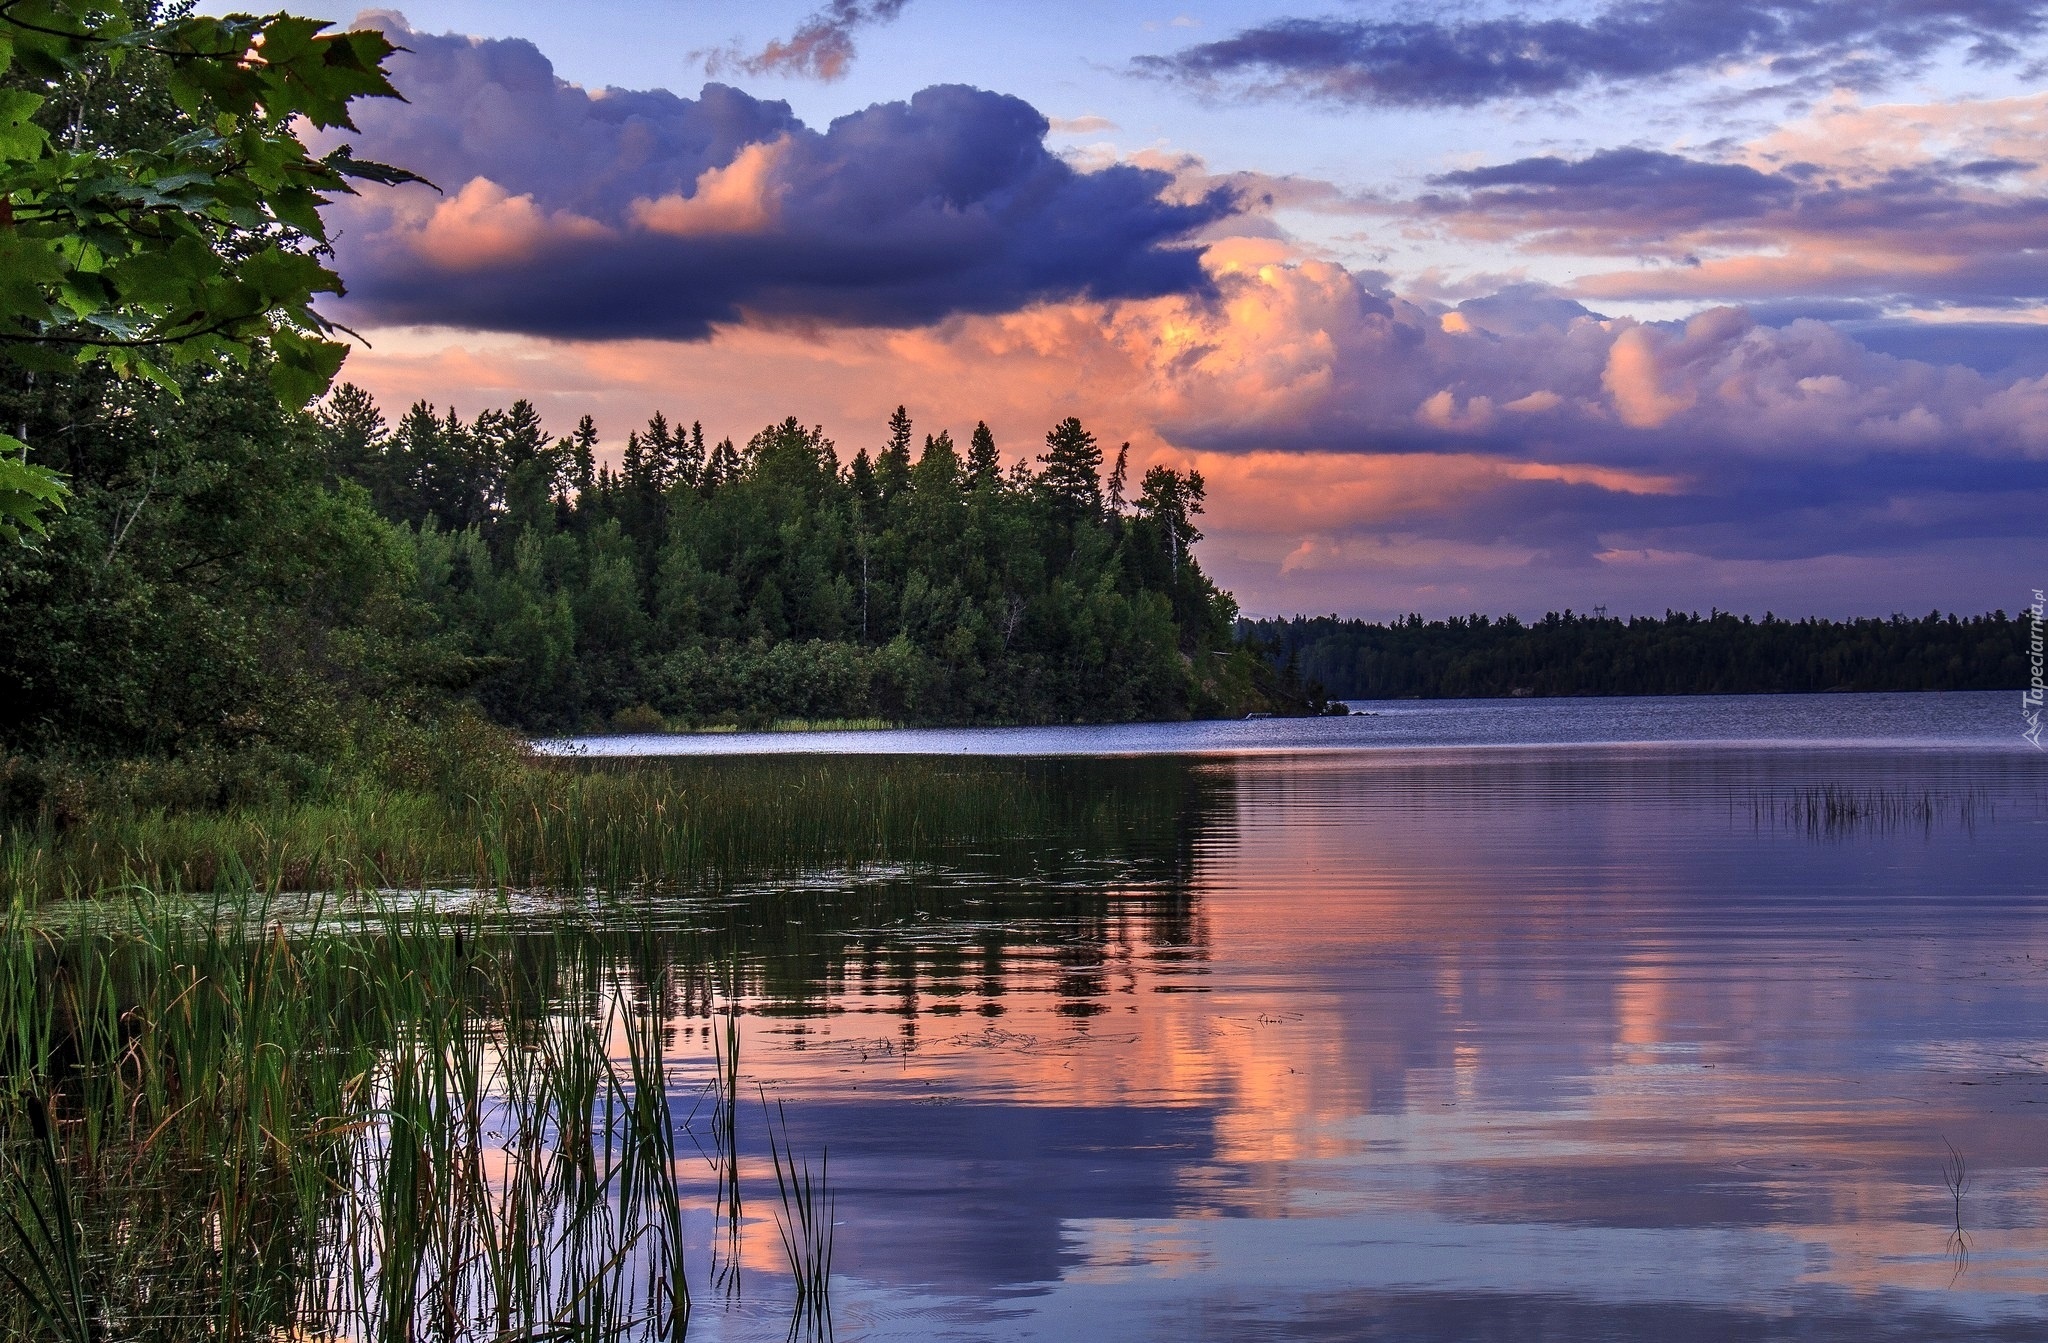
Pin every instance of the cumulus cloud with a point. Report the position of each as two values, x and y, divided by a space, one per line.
1308 356
1464 62
625 213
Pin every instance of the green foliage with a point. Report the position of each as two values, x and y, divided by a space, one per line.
746 585
158 209
25 492
1679 654
205 593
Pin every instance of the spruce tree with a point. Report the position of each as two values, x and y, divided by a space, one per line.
663 455
984 465
690 469
355 436
584 449
1073 469
892 465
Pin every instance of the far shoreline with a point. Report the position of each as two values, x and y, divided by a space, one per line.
1975 720
804 726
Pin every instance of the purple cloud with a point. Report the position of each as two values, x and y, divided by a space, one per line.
1465 62
1928 234
1570 435
626 213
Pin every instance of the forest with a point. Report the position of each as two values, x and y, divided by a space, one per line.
705 583
268 594
1675 654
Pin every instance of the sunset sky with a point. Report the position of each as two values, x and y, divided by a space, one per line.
1468 307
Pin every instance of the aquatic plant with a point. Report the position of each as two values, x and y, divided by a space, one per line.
806 1222
1837 809
609 826
410 1126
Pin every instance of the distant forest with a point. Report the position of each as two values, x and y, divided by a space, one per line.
1677 654
706 582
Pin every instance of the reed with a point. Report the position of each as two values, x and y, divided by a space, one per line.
805 1221
1833 809
384 1128
609 826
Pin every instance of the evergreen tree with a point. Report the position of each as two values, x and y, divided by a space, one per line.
1117 477
355 435
727 460
984 464
1170 502
663 456
1073 470
860 479
583 447
690 468
892 465
633 462
939 465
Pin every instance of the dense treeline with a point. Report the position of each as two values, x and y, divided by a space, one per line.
272 597
206 599
704 582
1677 654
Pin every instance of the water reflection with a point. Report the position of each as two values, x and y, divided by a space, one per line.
1587 1045
1597 1042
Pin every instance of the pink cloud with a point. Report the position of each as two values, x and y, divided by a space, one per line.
739 197
482 225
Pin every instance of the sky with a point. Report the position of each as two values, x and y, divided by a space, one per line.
1457 307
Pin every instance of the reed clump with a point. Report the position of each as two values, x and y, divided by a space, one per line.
608 826
388 1129
1831 809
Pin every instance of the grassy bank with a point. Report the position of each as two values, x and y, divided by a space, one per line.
507 821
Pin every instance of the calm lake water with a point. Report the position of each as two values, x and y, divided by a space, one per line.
1542 1025
1974 719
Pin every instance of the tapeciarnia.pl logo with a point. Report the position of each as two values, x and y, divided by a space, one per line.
2030 701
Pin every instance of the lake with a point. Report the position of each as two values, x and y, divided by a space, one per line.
1594 1019
1686 1019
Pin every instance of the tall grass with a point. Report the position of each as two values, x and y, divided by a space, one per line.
391 1130
241 1111
604 825
805 1223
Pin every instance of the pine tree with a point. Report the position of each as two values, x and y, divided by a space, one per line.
511 472
519 438
663 455
892 465
584 449
418 470
690 468
1073 469
1117 477
940 463
984 465
1172 501
633 465
355 435
723 467
860 478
